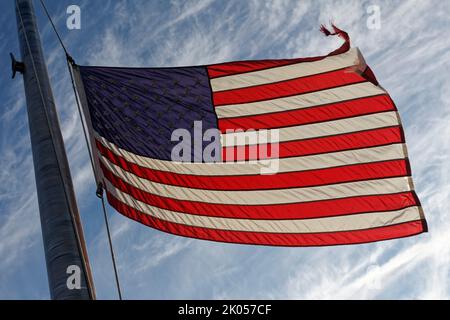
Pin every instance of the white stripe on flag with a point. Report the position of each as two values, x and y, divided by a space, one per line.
330 224
315 130
351 58
335 95
262 197
327 160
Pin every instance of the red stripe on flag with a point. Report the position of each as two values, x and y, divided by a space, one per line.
342 142
303 210
288 88
275 239
341 110
239 67
309 178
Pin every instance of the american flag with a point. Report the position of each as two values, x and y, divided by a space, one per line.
342 172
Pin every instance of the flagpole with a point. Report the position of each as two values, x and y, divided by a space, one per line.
68 269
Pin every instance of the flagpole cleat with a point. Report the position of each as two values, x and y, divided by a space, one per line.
16 66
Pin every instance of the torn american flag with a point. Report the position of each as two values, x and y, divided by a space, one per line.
338 172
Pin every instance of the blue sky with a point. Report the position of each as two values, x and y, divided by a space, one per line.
410 57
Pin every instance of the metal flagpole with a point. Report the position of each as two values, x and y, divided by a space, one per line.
66 256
